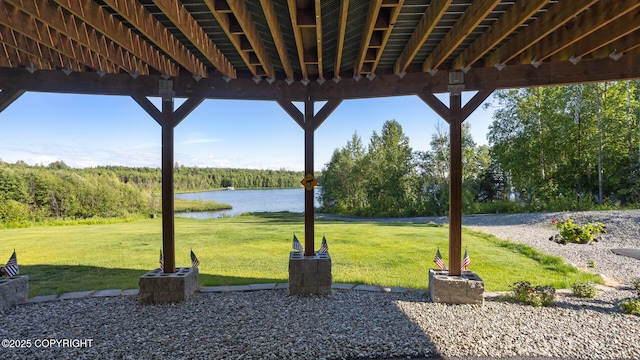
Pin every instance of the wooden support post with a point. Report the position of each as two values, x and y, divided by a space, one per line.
168 228
455 184
309 122
309 210
168 120
455 114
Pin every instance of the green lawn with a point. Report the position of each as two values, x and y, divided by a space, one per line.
254 249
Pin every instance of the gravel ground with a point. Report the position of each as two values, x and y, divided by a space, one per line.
350 324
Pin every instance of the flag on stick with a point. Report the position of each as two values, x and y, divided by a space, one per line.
161 261
194 260
466 260
296 244
324 248
438 260
11 269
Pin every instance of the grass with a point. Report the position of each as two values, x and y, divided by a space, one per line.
254 249
184 205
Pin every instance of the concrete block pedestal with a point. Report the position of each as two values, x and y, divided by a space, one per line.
467 288
309 274
156 287
13 290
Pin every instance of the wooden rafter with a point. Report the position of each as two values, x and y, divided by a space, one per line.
428 22
508 22
475 13
387 17
181 18
305 20
342 28
367 33
628 24
556 16
98 18
77 30
381 18
276 34
620 46
8 96
39 32
141 19
596 17
236 22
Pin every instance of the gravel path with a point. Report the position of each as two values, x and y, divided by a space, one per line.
349 323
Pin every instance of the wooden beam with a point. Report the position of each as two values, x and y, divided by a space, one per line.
309 198
168 224
297 33
13 18
429 20
455 185
385 84
318 38
70 26
367 32
508 22
620 46
185 109
475 101
148 106
133 12
276 33
556 16
342 29
436 105
475 13
627 24
324 112
97 17
596 17
239 15
293 111
8 96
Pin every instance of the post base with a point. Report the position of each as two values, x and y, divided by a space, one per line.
467 288
13 290
309 274
156 287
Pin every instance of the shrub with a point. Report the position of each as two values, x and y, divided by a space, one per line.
583 290
571 232
592 264
526 293
630 306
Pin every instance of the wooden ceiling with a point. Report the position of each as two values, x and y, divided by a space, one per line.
288 49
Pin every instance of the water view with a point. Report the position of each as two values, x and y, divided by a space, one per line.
244 201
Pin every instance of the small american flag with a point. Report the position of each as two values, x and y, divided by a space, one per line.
296 244
11 269
194 260
466 260
438 260
161 261
324 248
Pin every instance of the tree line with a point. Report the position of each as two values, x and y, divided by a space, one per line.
550 149
57 191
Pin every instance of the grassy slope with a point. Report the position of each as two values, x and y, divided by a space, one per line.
254 249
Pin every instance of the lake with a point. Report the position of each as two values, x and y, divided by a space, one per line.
244 201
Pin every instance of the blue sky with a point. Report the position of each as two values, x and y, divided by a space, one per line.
89 130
